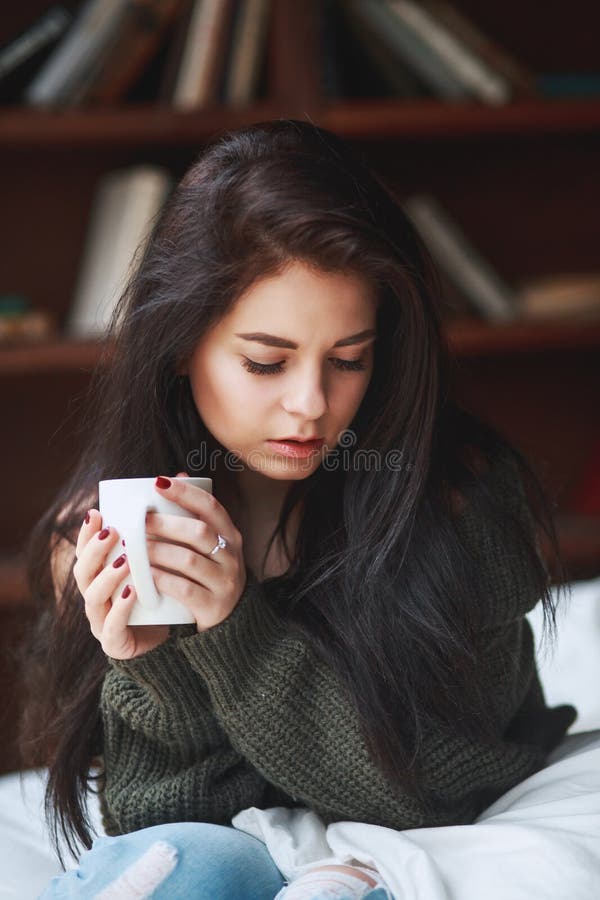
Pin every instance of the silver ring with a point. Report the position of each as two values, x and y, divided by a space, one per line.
220 545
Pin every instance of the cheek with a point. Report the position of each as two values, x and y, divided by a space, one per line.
351 394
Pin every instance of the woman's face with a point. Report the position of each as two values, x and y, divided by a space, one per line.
249 392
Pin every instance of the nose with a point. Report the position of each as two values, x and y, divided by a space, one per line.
306 395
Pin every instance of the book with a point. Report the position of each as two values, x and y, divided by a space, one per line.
460 260
174 54
131 49
203 57
249 33
380 18
95 26
565 295
21 323
24 54
124 208
394 77
479 79
522 80
568 84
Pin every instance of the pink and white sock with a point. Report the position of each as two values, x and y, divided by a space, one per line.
331 885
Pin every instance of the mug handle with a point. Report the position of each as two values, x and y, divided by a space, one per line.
137 557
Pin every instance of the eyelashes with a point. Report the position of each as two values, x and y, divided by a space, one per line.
346 365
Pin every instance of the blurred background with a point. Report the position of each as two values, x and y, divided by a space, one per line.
483 117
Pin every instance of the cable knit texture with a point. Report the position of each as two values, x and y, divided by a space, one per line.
246 714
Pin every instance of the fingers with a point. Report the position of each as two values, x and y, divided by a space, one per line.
183 561
116 637
194 533
198 501
90 525
96 545
98 595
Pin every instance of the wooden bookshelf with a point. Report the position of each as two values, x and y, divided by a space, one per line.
522 178
89 130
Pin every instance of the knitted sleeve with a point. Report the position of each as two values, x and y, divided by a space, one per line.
166 758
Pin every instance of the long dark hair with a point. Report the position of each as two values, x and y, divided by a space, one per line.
380 582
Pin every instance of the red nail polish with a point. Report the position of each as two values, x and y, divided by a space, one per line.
104 534
125 592
123 541
163 483
119 561
87 518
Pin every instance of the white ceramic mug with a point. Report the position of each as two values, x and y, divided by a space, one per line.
123 504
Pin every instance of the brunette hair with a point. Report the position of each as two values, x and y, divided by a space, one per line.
380 582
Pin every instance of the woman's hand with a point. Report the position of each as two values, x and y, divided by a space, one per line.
210 586
97 582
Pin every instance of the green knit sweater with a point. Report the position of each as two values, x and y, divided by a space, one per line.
246 714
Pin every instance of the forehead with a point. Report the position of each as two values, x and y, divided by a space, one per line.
306 297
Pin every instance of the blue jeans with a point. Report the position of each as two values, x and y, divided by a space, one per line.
178 861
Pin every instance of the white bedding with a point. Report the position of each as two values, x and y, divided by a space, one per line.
540 841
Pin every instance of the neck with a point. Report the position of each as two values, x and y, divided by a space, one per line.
251 495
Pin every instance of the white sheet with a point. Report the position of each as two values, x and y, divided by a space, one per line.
539 841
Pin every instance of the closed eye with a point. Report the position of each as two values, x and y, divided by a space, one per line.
346 365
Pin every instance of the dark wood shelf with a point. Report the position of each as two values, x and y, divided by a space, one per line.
429 118
125 126
60 355
13 583
472 337
469 337
136 126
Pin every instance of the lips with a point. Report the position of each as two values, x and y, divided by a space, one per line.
296 440
295 447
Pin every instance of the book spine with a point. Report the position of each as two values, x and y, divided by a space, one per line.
521 79
380 16
575 84
394 72
470 70
455 254
196 82
125 204
135 43
42 33
73 56
247 50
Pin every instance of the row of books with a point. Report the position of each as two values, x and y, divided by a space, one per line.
420 48
190 54
128 200
20 322
195 53
429 48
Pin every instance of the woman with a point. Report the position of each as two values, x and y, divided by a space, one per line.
360 646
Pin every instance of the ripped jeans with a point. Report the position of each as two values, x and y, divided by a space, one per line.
177 862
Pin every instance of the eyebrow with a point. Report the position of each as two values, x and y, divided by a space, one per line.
270 340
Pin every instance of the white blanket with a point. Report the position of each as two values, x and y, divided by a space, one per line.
539 841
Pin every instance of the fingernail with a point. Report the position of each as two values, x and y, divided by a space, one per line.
125 592
119 561
123 541
104 534
163 483
87 518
